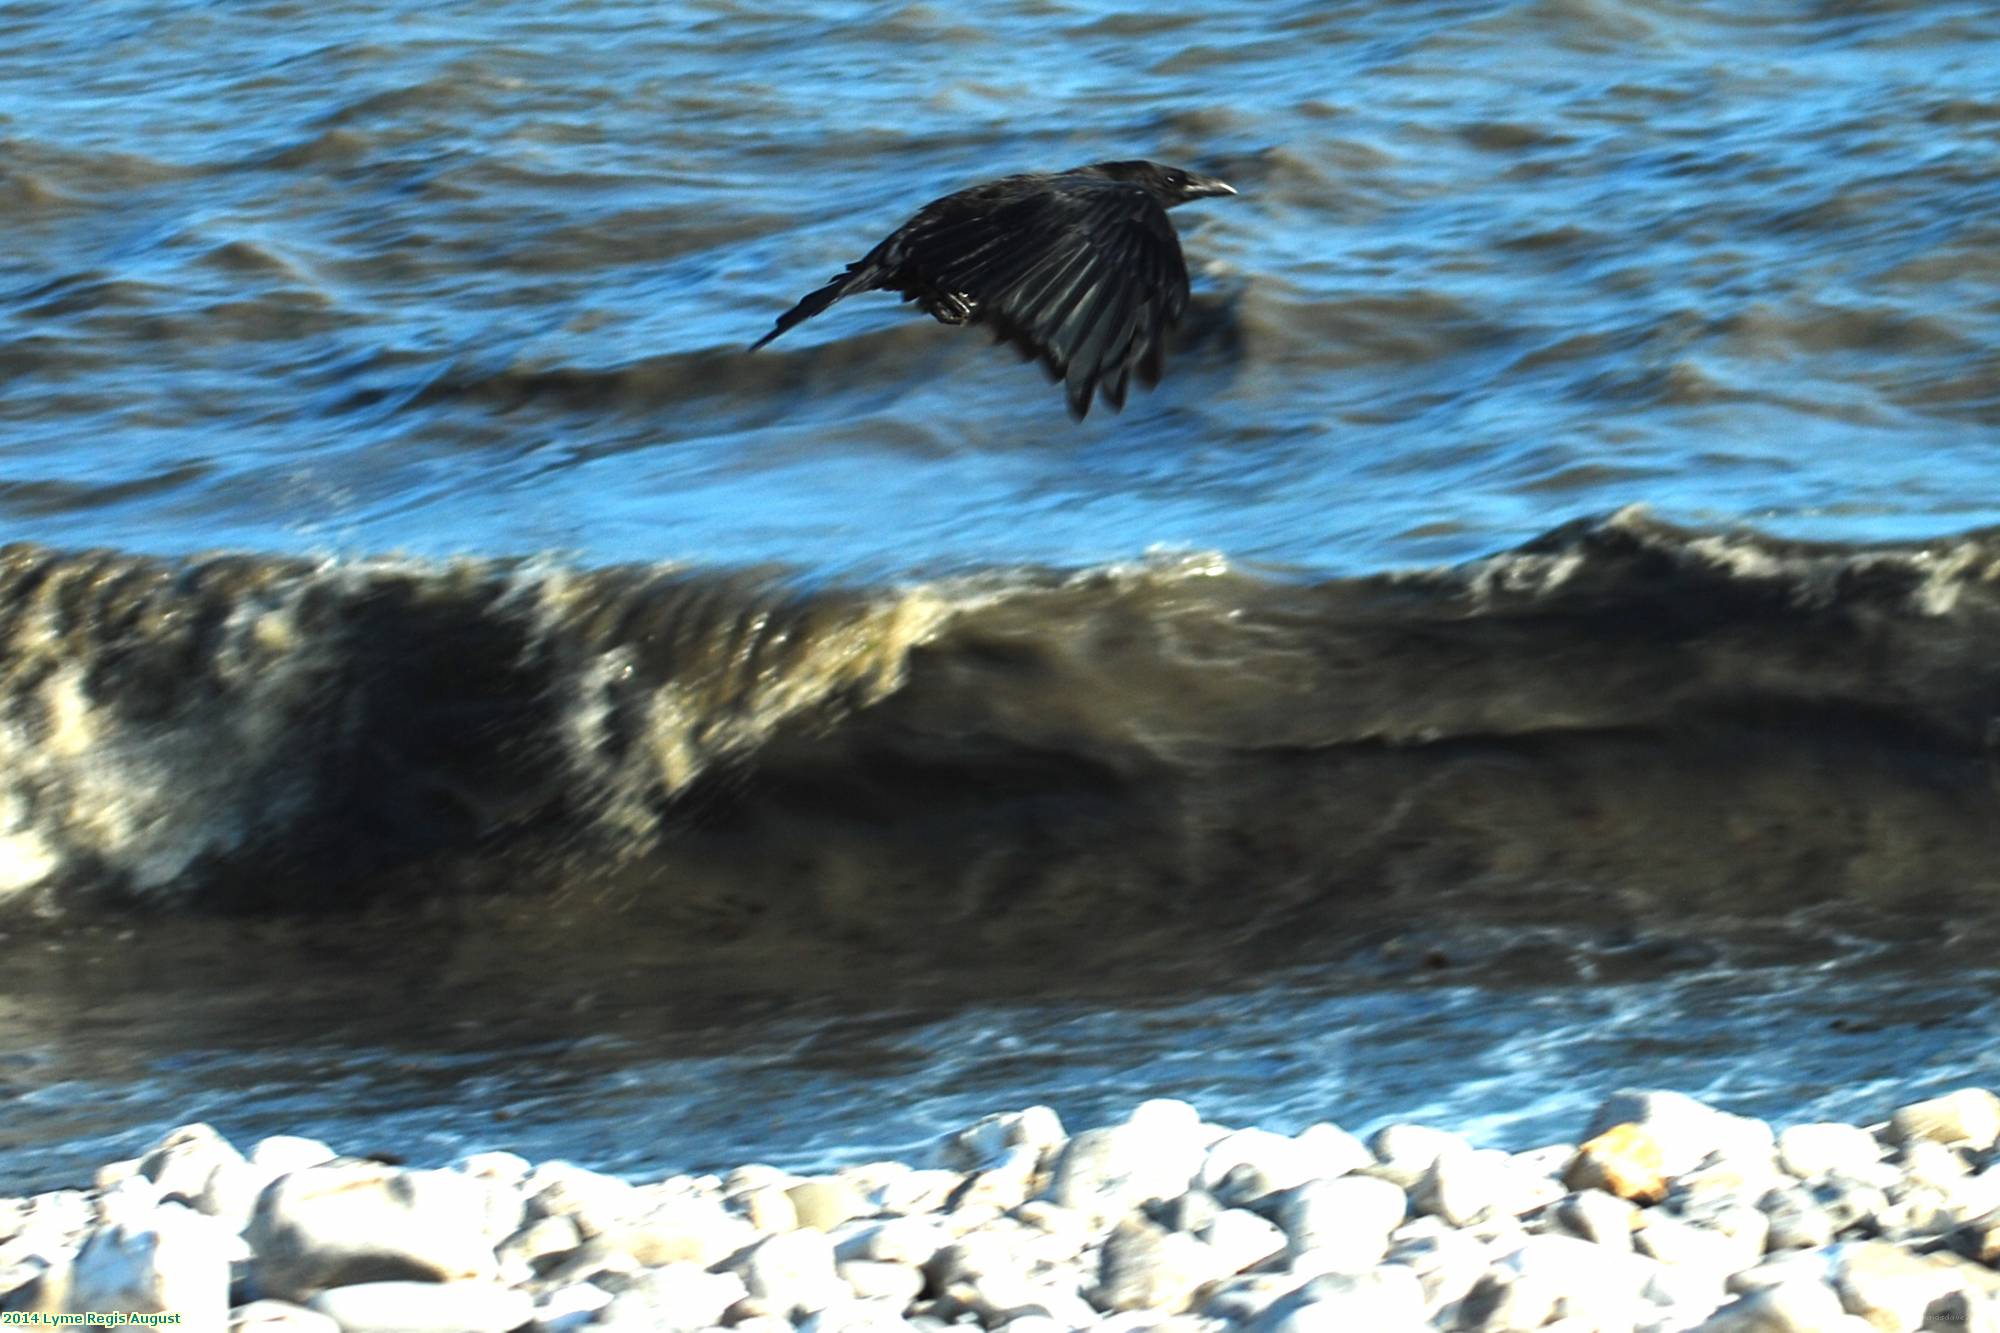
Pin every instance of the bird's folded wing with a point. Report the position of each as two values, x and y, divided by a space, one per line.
1089 280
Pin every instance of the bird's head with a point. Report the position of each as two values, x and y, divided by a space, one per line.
1170 185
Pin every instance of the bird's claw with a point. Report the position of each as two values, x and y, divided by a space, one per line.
951 307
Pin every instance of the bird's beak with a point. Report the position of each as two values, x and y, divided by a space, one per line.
1201 187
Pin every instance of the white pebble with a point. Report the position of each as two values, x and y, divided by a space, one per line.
568 1308
793 1271
174 1259
1333 1151
979 1144
1282 1162
1465 1186
183 1161
288 1152
1241 1239
872 1279
1967 1118
1798 1305
1806 1151
506 1167
898 1240
1405 1153
279 1317
1108 1172
1386 1300
326 1225
1595 1282
1350 1217
424 1307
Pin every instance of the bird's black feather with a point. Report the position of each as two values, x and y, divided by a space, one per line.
1081 270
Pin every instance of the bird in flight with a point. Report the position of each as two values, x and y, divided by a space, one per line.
1080 269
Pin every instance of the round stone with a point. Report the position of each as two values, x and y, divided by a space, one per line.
424 1307
1968 1118
1625 1161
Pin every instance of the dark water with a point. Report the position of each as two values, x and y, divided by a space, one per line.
1195 752
428 1047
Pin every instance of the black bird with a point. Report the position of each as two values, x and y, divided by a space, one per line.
1079 268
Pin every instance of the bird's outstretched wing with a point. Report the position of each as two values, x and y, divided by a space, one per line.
1088 278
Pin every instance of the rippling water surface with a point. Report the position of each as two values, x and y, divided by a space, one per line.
349 278
429 1049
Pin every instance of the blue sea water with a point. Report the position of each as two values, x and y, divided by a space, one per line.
361 277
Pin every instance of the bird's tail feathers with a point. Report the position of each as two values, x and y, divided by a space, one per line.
857 278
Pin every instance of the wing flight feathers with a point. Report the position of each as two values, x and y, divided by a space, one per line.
1081 271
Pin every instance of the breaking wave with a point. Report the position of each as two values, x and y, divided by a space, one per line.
1621 712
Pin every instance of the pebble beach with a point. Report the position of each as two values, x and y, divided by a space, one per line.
1665 1215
